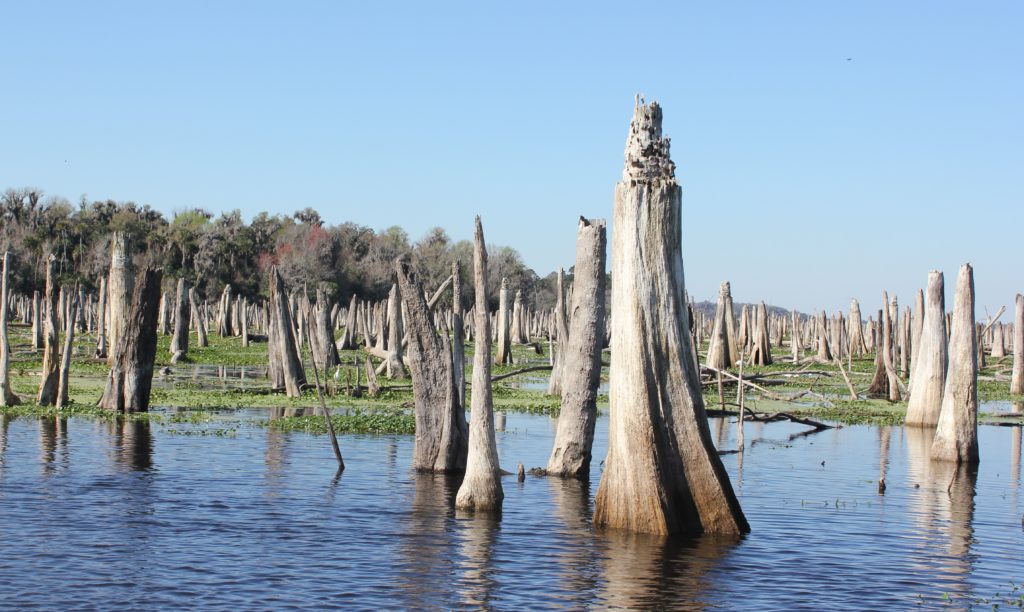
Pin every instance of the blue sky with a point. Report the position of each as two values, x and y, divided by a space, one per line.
808 178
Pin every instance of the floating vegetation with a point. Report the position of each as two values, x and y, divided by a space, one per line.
356 421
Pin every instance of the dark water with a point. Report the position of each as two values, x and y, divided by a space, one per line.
133 516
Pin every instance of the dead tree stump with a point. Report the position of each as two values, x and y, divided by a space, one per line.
441 430
120 285
481 488
131 376
663 474
283 353
1017 380
928 375
7 395
956 434
574 439
48 384
182 317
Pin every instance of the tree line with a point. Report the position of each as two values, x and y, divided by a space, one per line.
211 251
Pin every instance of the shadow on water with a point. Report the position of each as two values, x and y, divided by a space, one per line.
943 505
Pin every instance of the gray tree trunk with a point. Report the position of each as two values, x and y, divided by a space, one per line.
7 395
481 488
719 355
131 376
224 319
1017 380
395 365
325 337
503 354
293 374
182 317
37 321
101 322
574 439
199 319
761 351
928 375
956 435
163 317
662 474
120 286
560 322
48 384
458 338
65 361
824 351
441 430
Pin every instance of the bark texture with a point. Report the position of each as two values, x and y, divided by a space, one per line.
719 355
120 286
7 395
101 322
928 376
48 384
503 354
956 435
1017 380
481 488
283 344
662 474
182 317
395 365
131 376
560 322
65 360
441 430
574 439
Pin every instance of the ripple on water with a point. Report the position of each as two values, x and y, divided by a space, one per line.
96 513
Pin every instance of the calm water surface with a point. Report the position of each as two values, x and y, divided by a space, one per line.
140 516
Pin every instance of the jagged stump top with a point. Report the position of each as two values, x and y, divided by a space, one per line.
647 151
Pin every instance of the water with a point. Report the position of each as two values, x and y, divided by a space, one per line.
133 516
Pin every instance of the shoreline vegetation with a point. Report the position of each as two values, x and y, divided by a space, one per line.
211 381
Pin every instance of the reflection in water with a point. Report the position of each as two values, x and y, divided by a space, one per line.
133 443
655 572
47 443
478 579
274 456
884 435
427 540
576 555
1015 463
5 421
944 508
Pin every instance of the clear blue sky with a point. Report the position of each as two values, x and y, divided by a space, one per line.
808 178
